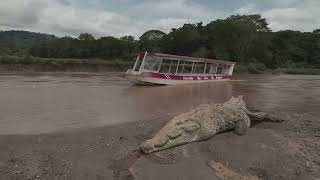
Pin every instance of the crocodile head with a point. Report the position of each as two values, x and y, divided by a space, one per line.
173 134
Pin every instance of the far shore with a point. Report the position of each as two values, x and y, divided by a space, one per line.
35 64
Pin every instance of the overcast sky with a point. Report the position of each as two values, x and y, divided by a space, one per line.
133 17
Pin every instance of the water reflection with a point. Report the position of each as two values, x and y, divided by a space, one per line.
175 99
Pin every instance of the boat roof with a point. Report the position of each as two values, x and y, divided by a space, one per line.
185 58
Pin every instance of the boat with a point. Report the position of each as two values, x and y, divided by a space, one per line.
166 69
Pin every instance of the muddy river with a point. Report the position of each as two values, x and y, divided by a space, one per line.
44 103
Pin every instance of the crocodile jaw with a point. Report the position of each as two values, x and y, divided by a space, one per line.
176 136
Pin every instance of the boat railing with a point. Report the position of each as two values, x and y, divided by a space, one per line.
179 65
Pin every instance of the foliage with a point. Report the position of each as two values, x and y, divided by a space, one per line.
301 71
86 37
151 40
32 63
127 38
245 39
256 68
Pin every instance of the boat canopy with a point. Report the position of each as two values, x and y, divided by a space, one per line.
182 65
185 58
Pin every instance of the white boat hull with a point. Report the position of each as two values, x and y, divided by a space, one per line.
166 79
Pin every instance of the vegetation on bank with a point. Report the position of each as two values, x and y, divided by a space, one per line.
30 63
54 64
245 39
259 68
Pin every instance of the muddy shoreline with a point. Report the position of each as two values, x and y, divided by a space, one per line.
269 151
107 119
94 68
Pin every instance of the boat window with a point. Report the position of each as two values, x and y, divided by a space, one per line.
211 68
227 70
165 66
220 69
137 64
174 66
224 69
198 67
187 67
152 63
181 67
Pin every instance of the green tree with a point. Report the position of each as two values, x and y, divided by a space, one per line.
183 41
316 31
151 41
86 37
234 37
255 21
242 38
127 38
152 35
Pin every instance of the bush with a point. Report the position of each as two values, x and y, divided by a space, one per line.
241 68
307 71
297 71
256 68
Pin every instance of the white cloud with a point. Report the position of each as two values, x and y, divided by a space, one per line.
291 18
68 20
61 18
70 17
20 14
288 14
247 9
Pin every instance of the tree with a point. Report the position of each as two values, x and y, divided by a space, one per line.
152 35
317 31
242 38
151 40
234 37
86 37
184 40
127 38
255 21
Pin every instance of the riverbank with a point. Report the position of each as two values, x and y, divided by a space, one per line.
35 64
258 68
269 151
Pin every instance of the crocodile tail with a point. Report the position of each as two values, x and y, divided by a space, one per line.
263 116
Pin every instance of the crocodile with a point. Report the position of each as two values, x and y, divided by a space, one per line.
204 122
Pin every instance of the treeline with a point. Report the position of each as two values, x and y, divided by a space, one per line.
245 39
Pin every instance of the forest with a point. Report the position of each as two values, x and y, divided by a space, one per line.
245 39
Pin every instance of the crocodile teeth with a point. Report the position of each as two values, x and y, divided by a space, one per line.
161 144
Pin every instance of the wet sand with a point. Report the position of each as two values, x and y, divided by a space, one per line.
269 151
289 150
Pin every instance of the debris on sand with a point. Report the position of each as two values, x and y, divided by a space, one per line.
225 173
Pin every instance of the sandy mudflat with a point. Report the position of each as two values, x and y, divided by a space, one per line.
92 126
290 150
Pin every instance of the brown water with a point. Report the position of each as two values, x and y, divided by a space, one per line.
32 104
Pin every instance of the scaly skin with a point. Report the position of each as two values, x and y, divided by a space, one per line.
204 122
